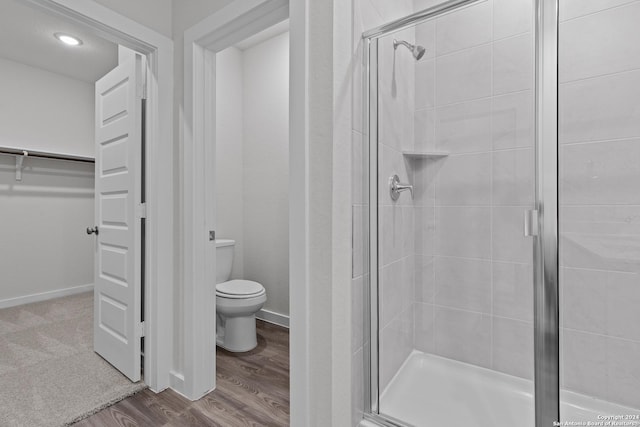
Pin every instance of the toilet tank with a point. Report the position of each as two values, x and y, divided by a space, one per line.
224 259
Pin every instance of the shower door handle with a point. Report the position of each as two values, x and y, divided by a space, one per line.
531 223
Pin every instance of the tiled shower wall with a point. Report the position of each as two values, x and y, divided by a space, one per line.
471 284
599 101
456 275
396 239
442 289
474 100
455 269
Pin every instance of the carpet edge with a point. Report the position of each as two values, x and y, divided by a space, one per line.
105 405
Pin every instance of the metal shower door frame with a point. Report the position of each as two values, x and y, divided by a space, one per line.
546 262
546 243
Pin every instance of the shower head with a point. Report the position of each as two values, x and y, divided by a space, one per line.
416 50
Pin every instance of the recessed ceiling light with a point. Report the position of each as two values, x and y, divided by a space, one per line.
68 40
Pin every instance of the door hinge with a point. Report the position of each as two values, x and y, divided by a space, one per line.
145 78
141 210
141 329
142 92
141 89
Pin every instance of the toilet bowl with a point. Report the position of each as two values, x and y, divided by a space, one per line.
237 302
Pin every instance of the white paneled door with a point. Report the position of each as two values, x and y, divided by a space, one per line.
118 268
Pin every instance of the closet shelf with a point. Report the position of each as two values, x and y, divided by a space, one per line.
425 154
21 154
45 155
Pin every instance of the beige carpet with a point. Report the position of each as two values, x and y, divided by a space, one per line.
49 374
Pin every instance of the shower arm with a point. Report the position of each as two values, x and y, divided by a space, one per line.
404 43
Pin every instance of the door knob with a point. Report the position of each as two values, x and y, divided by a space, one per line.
93 230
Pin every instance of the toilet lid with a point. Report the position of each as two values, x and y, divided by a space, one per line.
239 288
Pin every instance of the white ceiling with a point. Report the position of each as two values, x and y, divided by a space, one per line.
26 36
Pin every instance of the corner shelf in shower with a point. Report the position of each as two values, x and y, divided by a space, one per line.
425 154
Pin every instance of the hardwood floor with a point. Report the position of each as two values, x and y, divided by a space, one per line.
252 390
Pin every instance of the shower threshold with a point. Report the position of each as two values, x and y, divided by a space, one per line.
433 391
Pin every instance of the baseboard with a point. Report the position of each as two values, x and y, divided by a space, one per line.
273 317
27 299
176 382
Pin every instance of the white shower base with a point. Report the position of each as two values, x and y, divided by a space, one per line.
432 391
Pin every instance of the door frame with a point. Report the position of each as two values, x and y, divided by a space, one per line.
215 33
159 170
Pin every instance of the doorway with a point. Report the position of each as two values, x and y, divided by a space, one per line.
252 152
157 48
48 138
204 41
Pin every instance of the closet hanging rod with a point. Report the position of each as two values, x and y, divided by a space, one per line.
45 155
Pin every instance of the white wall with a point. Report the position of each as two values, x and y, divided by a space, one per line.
45 111
252 163
44 246
229 153
155 14
266 169
43 243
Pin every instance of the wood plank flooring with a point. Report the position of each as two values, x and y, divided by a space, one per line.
252 390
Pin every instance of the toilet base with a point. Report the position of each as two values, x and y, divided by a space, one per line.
236 334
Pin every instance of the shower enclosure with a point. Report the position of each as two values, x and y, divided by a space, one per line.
502 151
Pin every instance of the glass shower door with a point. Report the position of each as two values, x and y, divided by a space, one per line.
452 138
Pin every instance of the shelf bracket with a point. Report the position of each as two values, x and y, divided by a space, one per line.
19 164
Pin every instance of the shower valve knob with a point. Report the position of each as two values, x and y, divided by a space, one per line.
396 187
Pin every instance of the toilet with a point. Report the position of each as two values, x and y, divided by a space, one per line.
237 302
